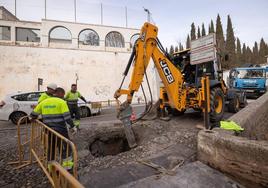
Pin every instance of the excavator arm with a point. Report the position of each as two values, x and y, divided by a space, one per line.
146 48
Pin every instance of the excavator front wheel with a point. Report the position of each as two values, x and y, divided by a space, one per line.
217 104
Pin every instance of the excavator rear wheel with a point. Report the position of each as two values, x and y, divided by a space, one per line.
233 105
217 104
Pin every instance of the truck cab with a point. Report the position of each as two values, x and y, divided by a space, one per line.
250 79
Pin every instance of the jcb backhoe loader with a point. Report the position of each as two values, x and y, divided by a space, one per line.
179 92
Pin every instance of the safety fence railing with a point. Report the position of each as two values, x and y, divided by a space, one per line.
24 142
63 178
55 154
107 103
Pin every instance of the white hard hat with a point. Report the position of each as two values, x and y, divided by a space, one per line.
52 86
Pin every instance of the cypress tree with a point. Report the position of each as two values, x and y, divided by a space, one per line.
188 42
176 49
220 39
198 32
230 43
262 52
244 51
193 35
212 30
255 52
209 29
203 30
180 46
171 50
249 55
266 51
238 51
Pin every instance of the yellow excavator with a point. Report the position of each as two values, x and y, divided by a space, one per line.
199 87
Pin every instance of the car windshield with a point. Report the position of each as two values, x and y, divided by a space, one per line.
247 74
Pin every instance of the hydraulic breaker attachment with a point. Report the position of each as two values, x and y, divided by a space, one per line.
124 114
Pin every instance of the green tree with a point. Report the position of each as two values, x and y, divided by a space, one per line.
171 50
266 51
188 42
180 47
238 51
212 30
198 32
249 55
203 32
230 44
263 51
193 31
255 52
176 49
220 39
244 51
209 29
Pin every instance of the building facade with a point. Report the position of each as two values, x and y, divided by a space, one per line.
64 52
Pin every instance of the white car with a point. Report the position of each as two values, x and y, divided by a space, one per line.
15 106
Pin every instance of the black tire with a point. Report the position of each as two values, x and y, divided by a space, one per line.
216 111
244 103
15 117
88 112
84 112
233 105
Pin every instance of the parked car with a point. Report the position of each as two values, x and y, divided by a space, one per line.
15 106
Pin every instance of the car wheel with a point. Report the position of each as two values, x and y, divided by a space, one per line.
84 112
15 117
88 112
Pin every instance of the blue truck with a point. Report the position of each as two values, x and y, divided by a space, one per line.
251 80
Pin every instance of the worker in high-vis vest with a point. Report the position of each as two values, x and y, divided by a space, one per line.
55 114
49 93
72 100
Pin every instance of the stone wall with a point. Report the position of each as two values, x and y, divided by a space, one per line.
99 68
254 119
100 73
244 157
245 160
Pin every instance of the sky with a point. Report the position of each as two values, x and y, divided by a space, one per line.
173 17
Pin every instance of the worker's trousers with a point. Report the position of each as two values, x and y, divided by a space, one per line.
55 143
74 111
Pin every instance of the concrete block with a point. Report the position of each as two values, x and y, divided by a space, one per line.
245 160
254 119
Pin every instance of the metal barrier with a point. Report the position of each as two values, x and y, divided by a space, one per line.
107 103
49 149
62 178
24 139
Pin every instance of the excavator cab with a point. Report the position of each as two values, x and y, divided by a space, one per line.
194 73
182 61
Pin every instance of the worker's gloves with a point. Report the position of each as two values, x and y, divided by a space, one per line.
73 130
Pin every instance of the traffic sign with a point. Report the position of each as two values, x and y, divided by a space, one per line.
203 49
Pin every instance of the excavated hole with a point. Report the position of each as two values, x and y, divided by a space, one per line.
113 145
